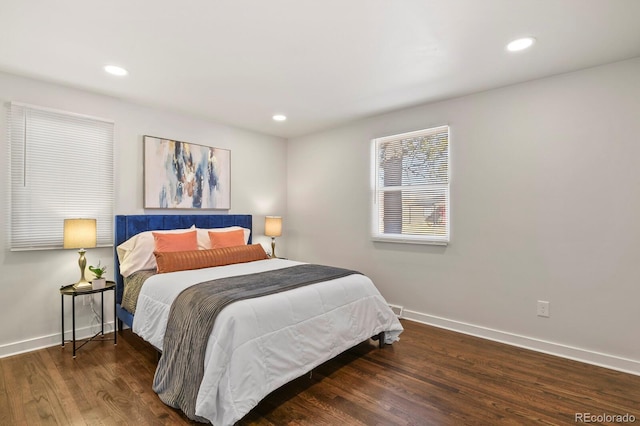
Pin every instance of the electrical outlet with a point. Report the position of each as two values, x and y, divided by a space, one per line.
543 308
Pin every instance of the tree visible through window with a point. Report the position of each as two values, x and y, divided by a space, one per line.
411 173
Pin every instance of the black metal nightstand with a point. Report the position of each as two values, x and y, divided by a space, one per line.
68 290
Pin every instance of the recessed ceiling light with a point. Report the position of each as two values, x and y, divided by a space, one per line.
520 44
112 69
279 117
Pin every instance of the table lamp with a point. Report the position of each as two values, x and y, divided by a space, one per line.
273 229
80 234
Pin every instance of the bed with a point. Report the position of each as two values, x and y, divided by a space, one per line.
256 344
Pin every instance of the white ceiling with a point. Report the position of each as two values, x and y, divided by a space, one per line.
320 62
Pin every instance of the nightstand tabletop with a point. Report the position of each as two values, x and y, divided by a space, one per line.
70 291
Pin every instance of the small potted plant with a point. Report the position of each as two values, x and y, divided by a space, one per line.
98 271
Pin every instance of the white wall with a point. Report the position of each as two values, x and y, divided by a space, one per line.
29 281
545 206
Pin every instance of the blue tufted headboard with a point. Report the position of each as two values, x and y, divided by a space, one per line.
130 225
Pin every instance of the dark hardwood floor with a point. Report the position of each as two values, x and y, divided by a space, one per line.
430 377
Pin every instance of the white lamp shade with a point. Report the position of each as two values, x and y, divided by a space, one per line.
273 226
79 233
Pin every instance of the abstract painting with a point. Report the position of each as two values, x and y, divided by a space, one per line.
180 175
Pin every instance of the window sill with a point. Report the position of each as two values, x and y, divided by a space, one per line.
409 240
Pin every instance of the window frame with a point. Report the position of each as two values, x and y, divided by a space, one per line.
377 190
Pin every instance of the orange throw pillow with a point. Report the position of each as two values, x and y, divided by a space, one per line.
226 239
175 242
198 259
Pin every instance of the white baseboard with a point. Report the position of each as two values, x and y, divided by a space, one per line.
577 354
50 340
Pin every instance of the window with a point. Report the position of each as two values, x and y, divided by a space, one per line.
411 187
61 167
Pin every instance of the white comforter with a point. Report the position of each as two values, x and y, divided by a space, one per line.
257 345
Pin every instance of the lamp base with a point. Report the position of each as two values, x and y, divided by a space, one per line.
273 248
83 285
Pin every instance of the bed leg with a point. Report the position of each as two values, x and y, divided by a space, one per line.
380 338
120 325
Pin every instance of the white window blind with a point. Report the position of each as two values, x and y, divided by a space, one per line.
411 187
61 167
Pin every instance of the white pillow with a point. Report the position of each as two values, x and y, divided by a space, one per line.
136 254
204 242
